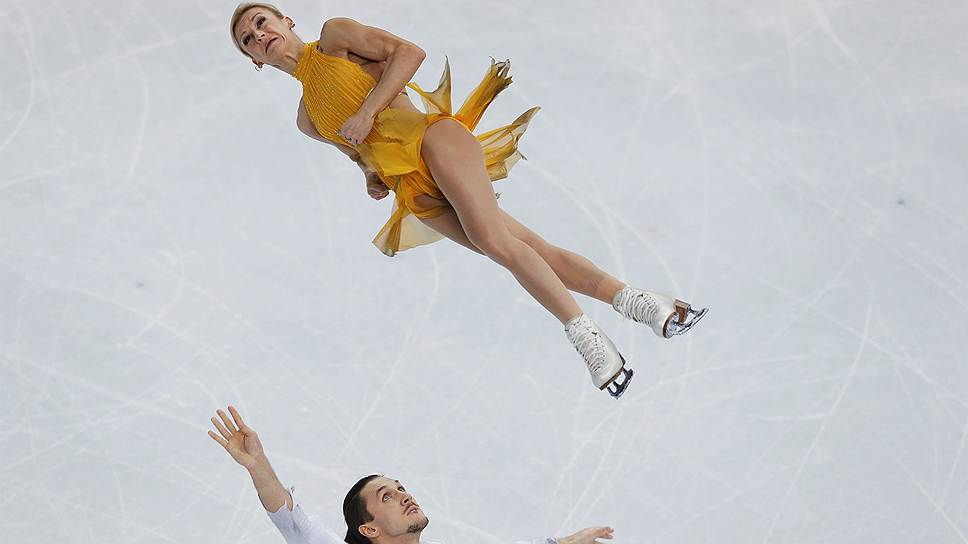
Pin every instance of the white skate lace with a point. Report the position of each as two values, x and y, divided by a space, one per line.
637 305
586 341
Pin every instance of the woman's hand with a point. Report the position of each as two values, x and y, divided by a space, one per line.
375 187
588 536
357 128
238 439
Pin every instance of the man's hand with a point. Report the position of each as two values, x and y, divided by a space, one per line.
237 438
244 446
588 536
375 187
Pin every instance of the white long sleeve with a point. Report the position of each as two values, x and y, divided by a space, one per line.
298 528
547 540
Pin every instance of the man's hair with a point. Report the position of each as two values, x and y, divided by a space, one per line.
246 6
355 512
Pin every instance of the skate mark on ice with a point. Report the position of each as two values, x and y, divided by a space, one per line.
823 427
414 329
927 497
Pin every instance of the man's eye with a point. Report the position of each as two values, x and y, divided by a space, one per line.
386 497
258 23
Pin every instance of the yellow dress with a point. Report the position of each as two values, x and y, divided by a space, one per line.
334 89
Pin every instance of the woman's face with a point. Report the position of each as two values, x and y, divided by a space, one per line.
263 35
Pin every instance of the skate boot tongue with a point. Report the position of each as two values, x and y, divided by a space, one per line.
604 362
584 335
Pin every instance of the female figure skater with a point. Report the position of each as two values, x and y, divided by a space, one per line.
353 82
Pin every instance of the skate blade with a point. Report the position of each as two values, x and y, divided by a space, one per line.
617 388
693 317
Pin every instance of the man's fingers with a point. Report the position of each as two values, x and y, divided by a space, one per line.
228 423
221 441
237 417
599 532
221 428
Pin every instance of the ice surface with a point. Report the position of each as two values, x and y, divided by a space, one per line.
170 243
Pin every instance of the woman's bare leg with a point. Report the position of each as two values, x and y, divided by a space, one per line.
576 272
448 224
605 363
456 161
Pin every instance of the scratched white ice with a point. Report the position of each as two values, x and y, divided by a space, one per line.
170 243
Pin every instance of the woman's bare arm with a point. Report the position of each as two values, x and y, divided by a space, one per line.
402 57
402 60
374 185
306 126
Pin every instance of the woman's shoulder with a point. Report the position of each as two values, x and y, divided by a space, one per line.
335 33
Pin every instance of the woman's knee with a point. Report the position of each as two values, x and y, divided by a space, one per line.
497 245
537 243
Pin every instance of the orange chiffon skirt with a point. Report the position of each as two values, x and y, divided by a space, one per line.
402 169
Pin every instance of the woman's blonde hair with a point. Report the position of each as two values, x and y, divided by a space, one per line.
246 6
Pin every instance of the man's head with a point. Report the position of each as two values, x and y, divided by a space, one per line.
377 507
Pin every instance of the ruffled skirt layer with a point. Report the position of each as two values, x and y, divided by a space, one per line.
398 161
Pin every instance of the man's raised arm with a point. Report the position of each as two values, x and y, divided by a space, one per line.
243 444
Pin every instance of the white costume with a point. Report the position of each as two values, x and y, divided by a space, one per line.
299 528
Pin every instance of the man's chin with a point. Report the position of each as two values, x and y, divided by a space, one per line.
418 525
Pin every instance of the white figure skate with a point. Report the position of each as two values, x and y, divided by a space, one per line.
666 316
605 364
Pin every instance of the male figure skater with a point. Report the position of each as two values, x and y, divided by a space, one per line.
377 509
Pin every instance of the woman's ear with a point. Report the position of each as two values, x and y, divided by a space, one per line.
258 65
289 22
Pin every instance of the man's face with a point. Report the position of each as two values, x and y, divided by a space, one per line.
394 511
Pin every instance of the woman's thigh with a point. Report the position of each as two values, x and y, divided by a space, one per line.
456 162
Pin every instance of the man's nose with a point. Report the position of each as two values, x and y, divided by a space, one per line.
407 498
